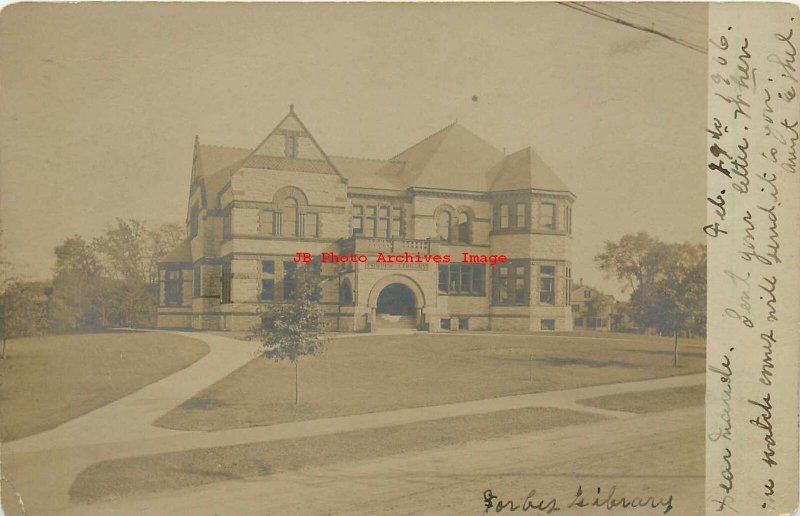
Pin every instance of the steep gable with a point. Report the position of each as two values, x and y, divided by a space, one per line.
290 146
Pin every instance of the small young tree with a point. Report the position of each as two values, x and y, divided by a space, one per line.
295 329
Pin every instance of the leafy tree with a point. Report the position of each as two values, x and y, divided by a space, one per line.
295 329
127 251
667 282
23 311
75 303
677 302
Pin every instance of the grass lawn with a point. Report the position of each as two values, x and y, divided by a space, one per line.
384 372
651 401
49 380
166 471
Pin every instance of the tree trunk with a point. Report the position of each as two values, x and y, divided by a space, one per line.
296 383
675 360
4 347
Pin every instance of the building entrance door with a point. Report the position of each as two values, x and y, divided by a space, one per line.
396 307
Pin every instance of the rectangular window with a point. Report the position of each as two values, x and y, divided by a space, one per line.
310 225
267 290
463 323
547 215
511 285
444 324
568 285
173 287
548 324
504 216
501 286
381 221
576 308
462 279
569 219
579 321
268 266
226 283
227 223
397 224
520 215
289 280
196 281
587 294
266 223
520 290
547 284
358 219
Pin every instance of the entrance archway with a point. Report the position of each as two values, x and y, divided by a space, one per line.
396 299
396 302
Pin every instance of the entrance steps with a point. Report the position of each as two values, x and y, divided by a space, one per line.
396 322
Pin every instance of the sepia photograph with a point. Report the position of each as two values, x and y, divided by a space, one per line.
357 258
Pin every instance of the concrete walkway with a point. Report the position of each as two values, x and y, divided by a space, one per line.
124 427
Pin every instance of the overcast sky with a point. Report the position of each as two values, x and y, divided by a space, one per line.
100 104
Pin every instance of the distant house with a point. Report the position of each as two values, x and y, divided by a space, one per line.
593 310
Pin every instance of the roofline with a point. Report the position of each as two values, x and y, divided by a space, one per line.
423 140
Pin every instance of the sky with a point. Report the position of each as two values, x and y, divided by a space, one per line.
100 104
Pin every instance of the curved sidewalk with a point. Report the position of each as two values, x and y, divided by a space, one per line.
124 428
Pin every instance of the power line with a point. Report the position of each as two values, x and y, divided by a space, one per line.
652 30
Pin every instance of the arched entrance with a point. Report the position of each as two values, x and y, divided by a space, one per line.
396 299
396 302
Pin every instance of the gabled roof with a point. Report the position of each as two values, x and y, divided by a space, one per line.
181 254
369 173
525 170
453 158
213 158
290 146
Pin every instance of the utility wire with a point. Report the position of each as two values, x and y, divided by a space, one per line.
652 30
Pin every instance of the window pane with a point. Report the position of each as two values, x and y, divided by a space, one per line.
548 215
519 290
289 278
310 221
504 215
546 291
268 266
290 217
454 278
443 225
466 270
395 229
443 281
520 215
478 273
358 223
267 290
369 227
547 270
383 228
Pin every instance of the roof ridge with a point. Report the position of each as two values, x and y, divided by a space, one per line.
443 129
381 160
224 146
